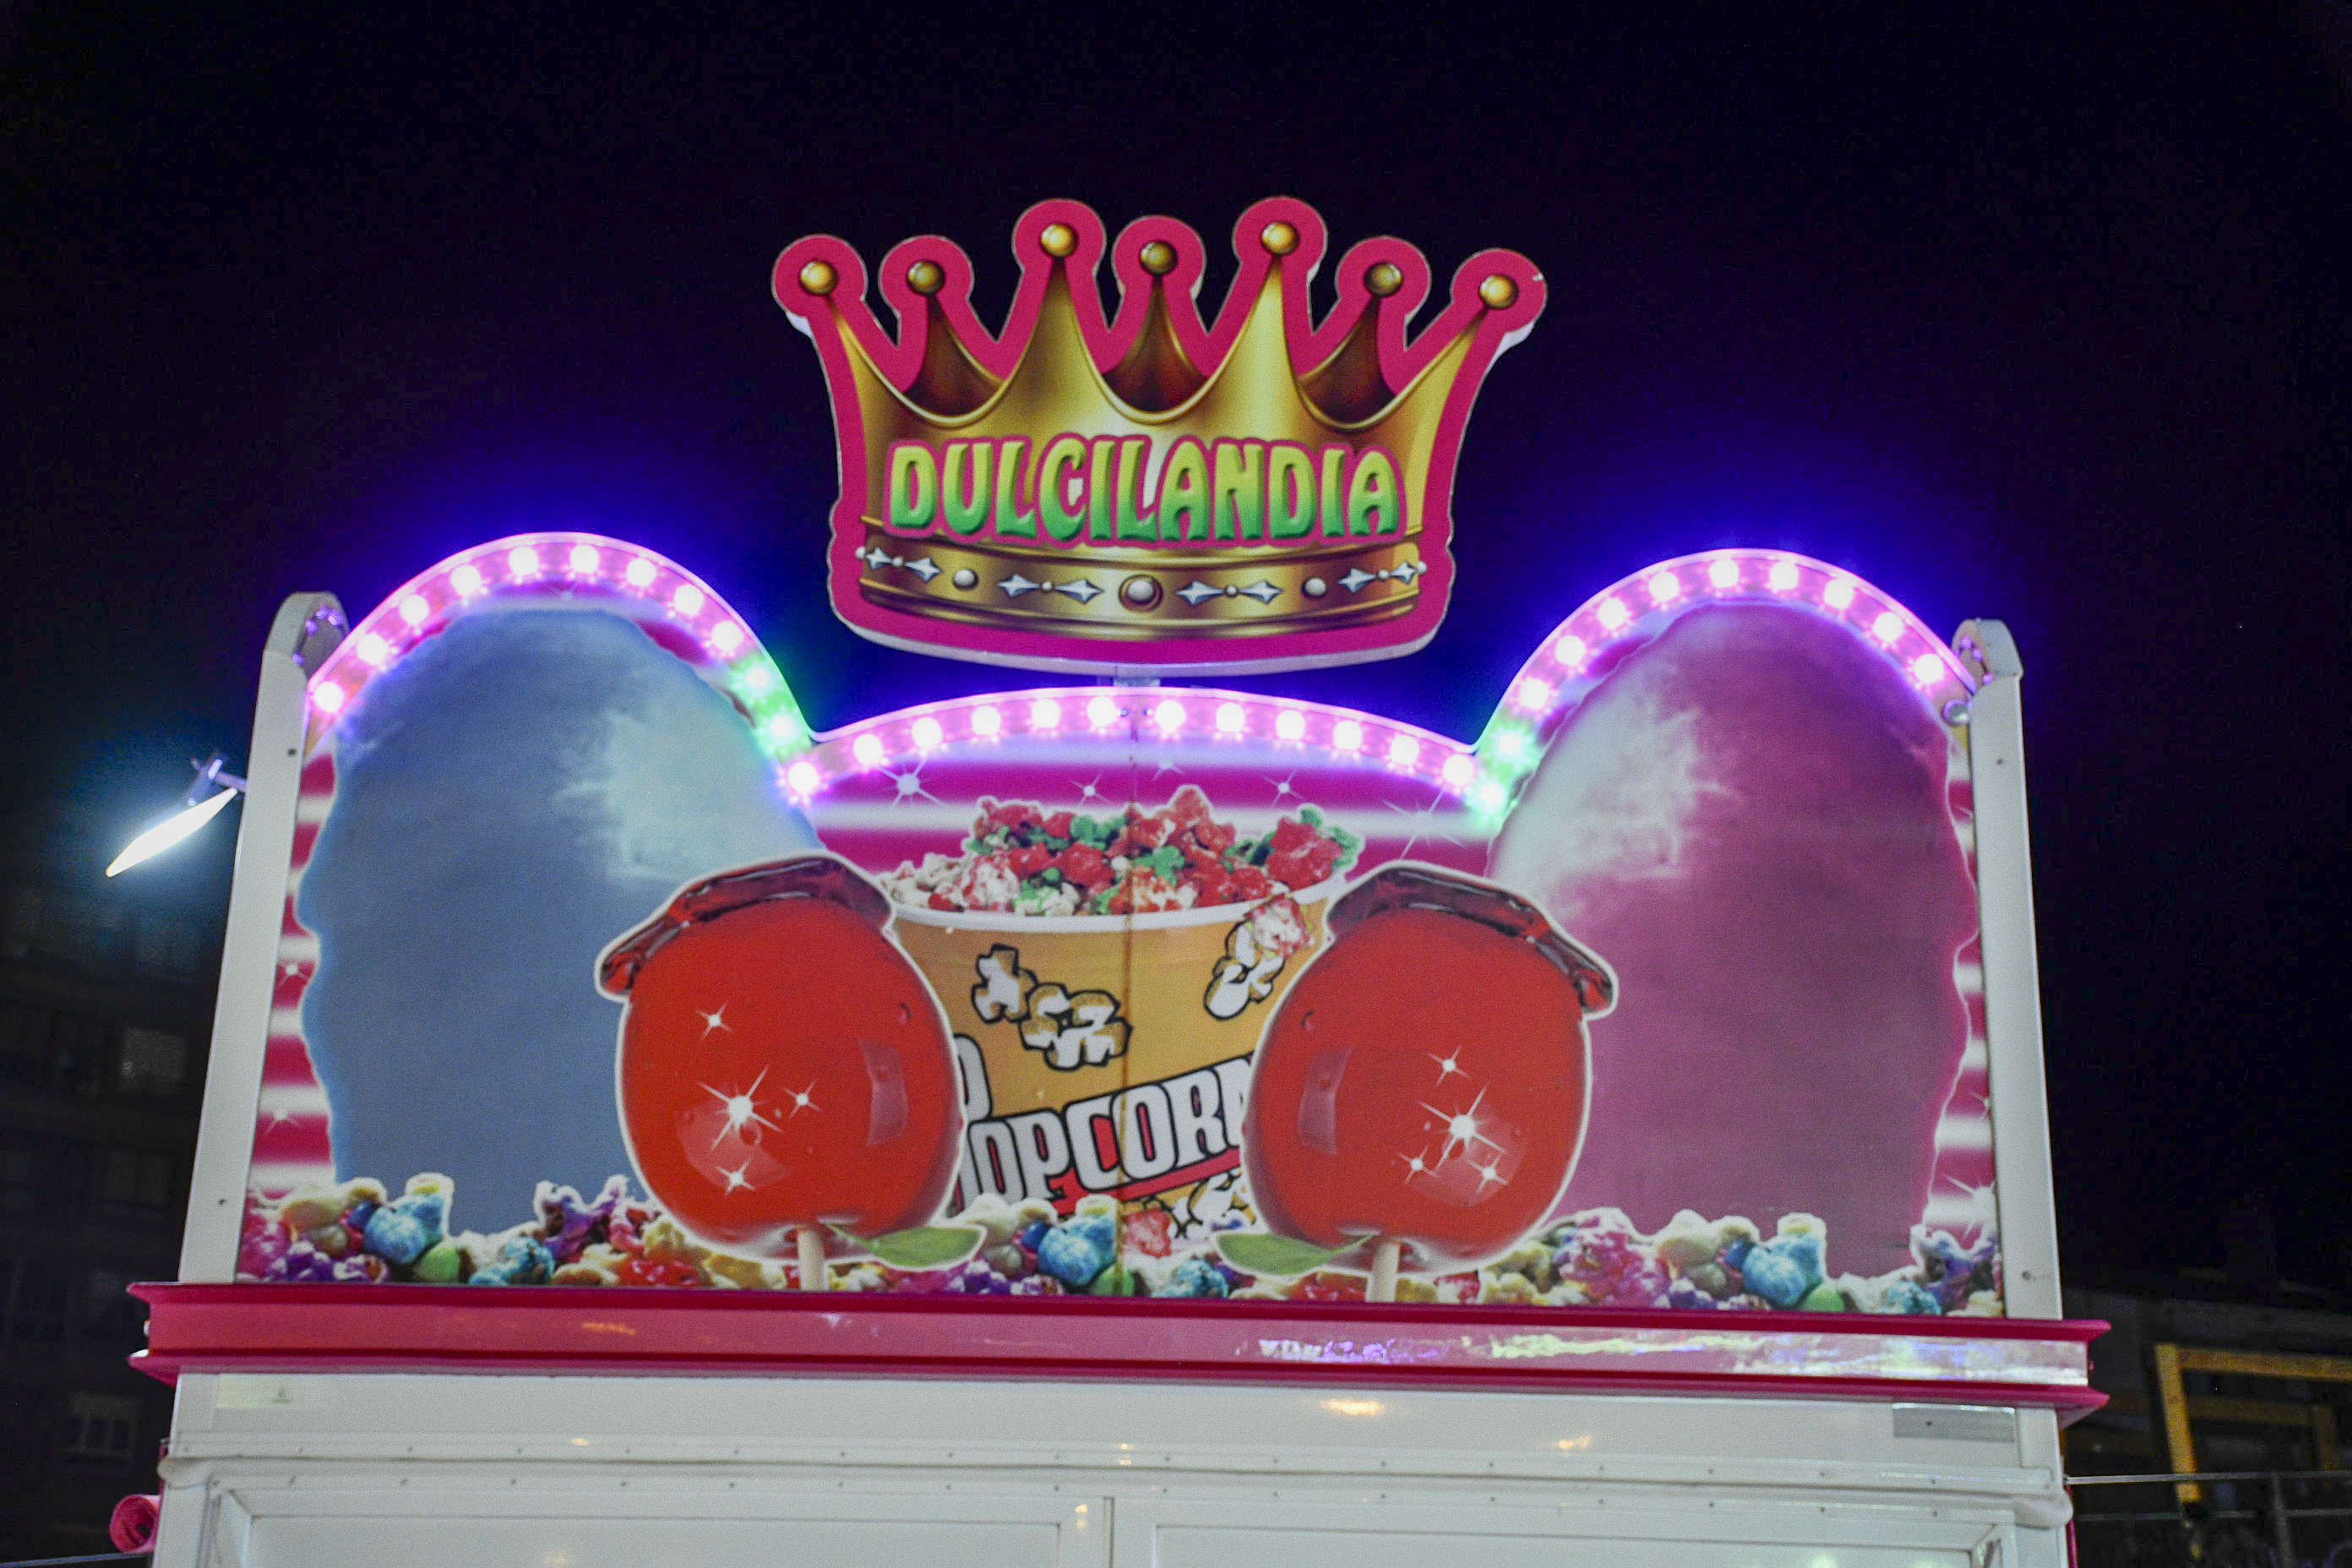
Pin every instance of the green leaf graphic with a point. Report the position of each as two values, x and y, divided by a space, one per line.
927 1245
1278 1256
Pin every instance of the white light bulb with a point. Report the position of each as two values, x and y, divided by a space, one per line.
986 721
1230 718
1723 574
926 732
1346 735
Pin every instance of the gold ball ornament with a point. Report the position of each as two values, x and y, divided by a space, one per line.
818 277
1384 279
926 277
1058 238
1158 257
1278 237
1497 291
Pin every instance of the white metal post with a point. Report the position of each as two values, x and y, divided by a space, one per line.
2020 1110
308 628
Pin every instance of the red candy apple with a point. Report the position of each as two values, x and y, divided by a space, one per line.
1422 1087
784 1065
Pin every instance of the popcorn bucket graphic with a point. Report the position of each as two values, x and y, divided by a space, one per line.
1110 1053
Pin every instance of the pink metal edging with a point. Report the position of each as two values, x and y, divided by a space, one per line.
547 1330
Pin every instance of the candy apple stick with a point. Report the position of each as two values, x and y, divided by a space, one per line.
811 1242
1386 1254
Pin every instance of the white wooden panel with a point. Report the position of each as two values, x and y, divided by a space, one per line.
1392 1534
681 1522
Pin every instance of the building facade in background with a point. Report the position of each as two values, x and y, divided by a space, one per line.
106 994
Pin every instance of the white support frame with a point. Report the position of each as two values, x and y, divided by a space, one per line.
308 628
2012 987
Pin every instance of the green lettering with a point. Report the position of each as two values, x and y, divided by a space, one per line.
1289 491
1237 489
912 494
1009 521
1133 453
1373 494
1184 493
1333 492
1099 456
1063 516
964 512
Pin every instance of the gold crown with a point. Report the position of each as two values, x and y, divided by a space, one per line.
1146 490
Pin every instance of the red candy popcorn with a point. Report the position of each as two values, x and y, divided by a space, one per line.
784 1065
1422 1087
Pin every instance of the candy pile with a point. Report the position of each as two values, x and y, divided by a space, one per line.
357 1231
1022 858
1597 1258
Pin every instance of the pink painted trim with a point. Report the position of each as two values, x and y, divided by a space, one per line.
557 1330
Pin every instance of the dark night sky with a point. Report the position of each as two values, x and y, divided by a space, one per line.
2044 324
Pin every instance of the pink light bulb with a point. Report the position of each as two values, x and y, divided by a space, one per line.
1290 724
1457 770
1887 627
1101 713
1045 714
522 563
1782 578
1168 714
687 601
1346 735
802 777
867 750
1839 594
1404 751
927 733
414 610
1230 718
1614 613
1570 651
726 636
1723 574
1532 695
1666 588
638 574
467 580
1927 669
582 561
373 649
986 721
330 698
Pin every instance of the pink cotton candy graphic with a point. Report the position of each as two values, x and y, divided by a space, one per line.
1749 817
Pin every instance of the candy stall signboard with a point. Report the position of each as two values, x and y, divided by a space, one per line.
598 967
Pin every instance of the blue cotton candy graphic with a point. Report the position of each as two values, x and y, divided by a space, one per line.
511 796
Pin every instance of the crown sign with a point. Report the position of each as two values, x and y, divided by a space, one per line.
1149 491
